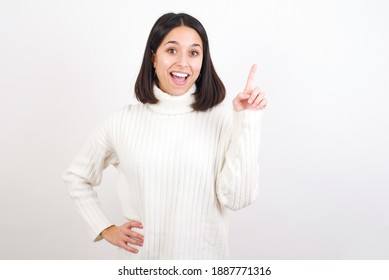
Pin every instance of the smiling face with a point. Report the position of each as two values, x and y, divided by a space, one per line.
178 60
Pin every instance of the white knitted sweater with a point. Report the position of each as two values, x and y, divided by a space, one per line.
178 172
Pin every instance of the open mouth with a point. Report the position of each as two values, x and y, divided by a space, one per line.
179 77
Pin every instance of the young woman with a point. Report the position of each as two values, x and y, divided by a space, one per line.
183 158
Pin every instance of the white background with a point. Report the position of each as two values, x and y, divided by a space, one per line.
66 65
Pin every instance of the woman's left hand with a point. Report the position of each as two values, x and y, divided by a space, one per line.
252 98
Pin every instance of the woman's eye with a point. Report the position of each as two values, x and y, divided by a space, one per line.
171 51
194 53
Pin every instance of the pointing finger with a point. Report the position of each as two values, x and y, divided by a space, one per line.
250 79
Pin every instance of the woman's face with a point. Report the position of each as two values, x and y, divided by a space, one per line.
178 60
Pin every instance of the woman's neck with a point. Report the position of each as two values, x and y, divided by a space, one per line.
171 104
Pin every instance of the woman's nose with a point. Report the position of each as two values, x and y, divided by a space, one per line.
182 60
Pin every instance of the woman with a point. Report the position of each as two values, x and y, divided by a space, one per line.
183 159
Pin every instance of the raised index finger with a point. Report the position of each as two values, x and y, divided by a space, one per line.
250 79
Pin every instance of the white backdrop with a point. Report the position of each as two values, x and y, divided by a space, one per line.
66 65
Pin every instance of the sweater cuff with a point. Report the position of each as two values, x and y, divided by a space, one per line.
99 236
98 222
248 118
96 235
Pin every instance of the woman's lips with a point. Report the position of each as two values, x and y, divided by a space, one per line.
179 78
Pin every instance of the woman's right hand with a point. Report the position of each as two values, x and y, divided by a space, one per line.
123 236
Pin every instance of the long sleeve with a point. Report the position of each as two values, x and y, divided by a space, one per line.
85 172
237 183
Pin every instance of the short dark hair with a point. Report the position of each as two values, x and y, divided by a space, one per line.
210 90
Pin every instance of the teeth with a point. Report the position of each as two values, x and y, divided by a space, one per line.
181 75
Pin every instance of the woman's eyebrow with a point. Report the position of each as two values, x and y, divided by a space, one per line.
172 42
197 45
176 43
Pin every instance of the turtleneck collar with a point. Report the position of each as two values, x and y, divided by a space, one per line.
171 104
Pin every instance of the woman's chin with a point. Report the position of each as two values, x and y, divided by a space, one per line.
178 89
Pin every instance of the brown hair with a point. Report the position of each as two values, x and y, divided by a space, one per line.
210 90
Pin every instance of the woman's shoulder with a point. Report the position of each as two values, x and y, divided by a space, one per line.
118 115
125 110
222 111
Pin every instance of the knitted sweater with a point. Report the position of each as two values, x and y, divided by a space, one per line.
179 171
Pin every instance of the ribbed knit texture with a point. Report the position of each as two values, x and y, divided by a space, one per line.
178 172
